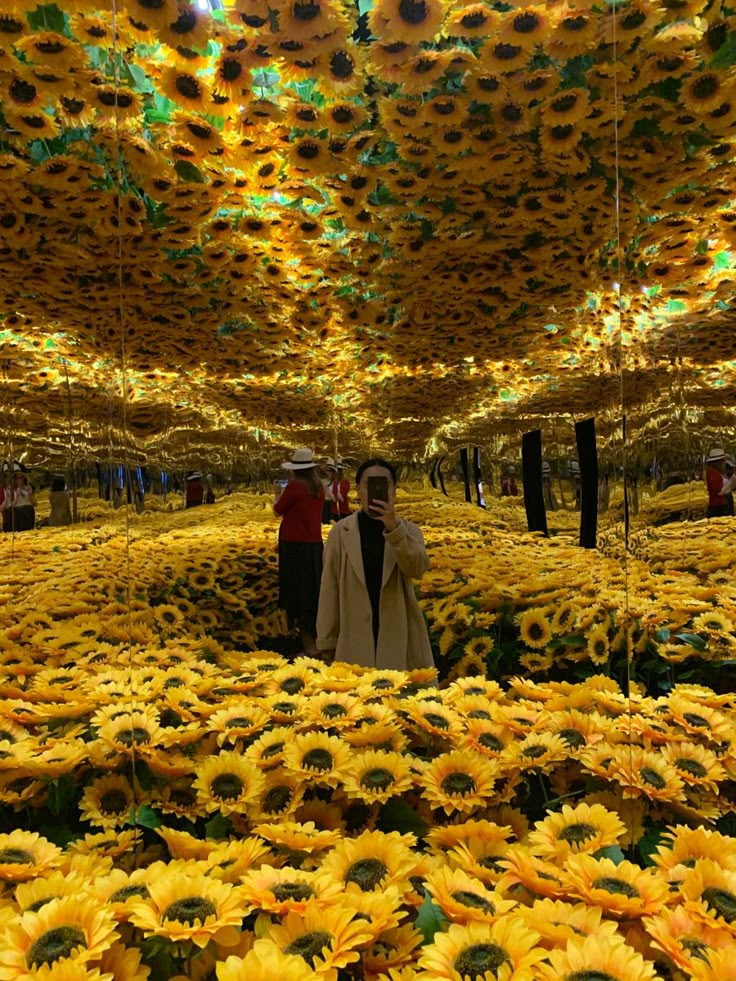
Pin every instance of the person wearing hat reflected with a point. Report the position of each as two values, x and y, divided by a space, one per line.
339 491
299 505
719 485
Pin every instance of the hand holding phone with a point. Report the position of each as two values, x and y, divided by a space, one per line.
377 491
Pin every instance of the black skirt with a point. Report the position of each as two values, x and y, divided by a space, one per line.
20 519
300 572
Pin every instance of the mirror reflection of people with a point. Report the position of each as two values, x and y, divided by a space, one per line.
60 513
729 471
509 487
195 490
577 488
604 494
719 485
368 611
19 504
299 505
548 493
339 491
328 472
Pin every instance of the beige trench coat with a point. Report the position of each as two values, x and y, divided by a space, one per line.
344 620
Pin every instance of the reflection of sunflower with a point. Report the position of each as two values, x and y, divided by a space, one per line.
623 891
598 644
183 906
597 957
66 928
583 828
228 783
459 781
117 101
503 949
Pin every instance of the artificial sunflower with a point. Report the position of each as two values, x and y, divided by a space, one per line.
684 938
52 50
372 861
601 956
282 891
505 948
264 962
376 776
558 922
405 21
317 756
25 854
583 828
326 938
624 891
535 629
709 892
184 87
459 781
464 899
228 782
182 906
107 801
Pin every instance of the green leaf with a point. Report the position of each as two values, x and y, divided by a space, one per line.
48 18
143 774
611 851
140 79
430 919
648 844
265 79
144 817
62 795
218 827
188 172
364 6
398 815
725 56
694 640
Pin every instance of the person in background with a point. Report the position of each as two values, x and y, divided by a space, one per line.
195 490
20 502
209 491
60 513
340 491
368 611
328 476
719 486
299 505
604 494
550 502
508 483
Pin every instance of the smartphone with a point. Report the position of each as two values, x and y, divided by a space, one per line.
377 491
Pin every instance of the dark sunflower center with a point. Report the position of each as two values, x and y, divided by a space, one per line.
693 719
152 4
590 976
309 945
377 779
230 69
413 12
564 103
577 832
471 899
227 786
11 25
297 891
113 802
632 20
506 52
489 741
120 895
705 87
367 873
653 778
318 759
722 902
306 11
54 944
458 783
695 948
136 735
438 721
609 884
188 86
342 65
72 106
50 47
184 23
21 91
488 83
574 23
16 856
692 767
34 122
491 862
334 710
476 960
526 23
272 750
290 685
202 133
342 114
277 799
476 19
572 737
534 752
189 909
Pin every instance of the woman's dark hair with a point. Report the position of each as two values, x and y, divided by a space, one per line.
58 484
310 477
376 461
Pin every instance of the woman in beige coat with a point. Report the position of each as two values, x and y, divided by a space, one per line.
368 613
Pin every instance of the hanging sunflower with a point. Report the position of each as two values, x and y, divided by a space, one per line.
184 88
407 21
52 51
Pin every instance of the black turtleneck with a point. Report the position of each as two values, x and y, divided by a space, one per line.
372 545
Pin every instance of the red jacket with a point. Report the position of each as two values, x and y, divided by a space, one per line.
342 488
301 513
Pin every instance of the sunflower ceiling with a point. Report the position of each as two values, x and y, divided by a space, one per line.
397 219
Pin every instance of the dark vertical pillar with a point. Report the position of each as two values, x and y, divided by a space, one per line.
466 473
433 475
478 478
588 460
531 469
440 477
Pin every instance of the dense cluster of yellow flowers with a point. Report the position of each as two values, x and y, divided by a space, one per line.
249 816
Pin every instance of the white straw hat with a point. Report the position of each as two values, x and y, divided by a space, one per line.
301 460
717 453
335 464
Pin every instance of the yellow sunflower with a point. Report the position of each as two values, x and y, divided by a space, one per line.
228 782
464 899
375 776
318 756
558 922
25 855
583 828
52 50
709 892
406 21
642 772
597 957
372 861
683 937
264 962
535 629
506 949
78 929
459 781
624 891
107 801
182 906
326 938
282 891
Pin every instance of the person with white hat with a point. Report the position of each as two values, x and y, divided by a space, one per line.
718 484
299 505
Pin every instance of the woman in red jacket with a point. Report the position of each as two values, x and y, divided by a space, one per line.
299 505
